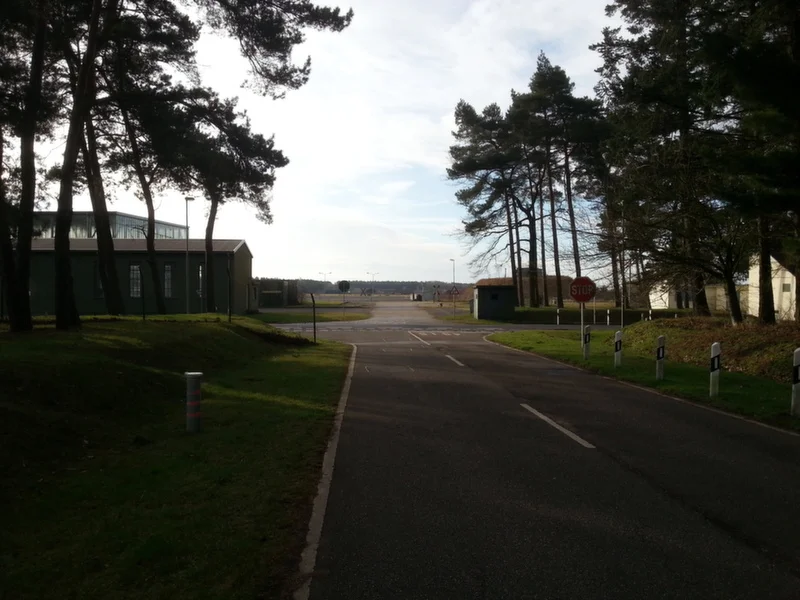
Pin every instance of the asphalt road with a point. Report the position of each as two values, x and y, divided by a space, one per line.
469 471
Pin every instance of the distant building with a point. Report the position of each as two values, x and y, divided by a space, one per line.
494 298
123 226
784 286
232 276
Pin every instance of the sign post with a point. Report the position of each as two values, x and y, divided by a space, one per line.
795 412
716 363
618 349
660 358
587 338
582 290
344 287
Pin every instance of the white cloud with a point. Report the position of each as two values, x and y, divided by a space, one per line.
377 109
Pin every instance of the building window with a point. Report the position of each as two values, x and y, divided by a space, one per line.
200 280
98 282
786 288
168 271
135 276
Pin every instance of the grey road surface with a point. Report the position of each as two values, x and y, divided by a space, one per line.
469 471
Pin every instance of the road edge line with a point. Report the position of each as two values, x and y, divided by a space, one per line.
649 390
308 558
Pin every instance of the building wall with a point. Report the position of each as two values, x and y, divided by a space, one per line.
495 302
88 292
242 266
783 290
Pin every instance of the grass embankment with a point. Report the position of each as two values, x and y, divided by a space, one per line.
307 317
106 496
756 361
566 316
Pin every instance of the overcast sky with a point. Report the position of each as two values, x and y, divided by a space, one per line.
367 137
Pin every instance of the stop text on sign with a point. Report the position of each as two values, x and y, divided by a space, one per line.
582 289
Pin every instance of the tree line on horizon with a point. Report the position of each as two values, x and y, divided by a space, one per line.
116 83
686 158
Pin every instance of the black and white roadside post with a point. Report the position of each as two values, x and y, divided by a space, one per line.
660 351
314 315
650 315
558 316
608 317
796 384
716 351
618 349
587 338
194 381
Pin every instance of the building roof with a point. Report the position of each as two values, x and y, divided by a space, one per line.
506 282
140 245
52 213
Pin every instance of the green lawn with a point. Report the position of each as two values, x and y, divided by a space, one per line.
761 398
326 316
106 496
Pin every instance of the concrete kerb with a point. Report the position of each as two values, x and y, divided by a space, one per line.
308 558
646 389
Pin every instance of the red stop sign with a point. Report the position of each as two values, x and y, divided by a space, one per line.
582 289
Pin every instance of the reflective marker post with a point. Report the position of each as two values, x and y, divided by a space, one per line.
796 384
660 351
608 316
716 363
194 381
618 349
587 338
558 316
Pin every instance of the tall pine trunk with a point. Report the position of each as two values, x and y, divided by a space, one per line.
571 209
533 284
147 193
66 309
519 282
210 296
18 320
766 297
545 295
559 291
27 201
511 252
107 267
733 299
701 307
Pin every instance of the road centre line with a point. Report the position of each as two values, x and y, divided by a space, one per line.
460 364
563 430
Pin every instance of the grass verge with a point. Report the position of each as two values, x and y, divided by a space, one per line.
307 317
758 397
105 495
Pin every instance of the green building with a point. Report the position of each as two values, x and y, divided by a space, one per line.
233 284
232 262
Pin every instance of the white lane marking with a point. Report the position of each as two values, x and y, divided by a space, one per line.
366 368
419 338
460 364
308 558
563 430
411 369
446 333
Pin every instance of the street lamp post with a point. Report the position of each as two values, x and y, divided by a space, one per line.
453 291
325 275
187 274
372 289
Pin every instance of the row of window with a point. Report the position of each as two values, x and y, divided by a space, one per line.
135 280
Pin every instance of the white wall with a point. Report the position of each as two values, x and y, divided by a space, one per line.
783 289
662 297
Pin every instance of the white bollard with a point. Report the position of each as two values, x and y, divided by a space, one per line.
642 316
558 316
587 338
608 316
716 363
796 385
676 315
618 349
650 316
660 353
